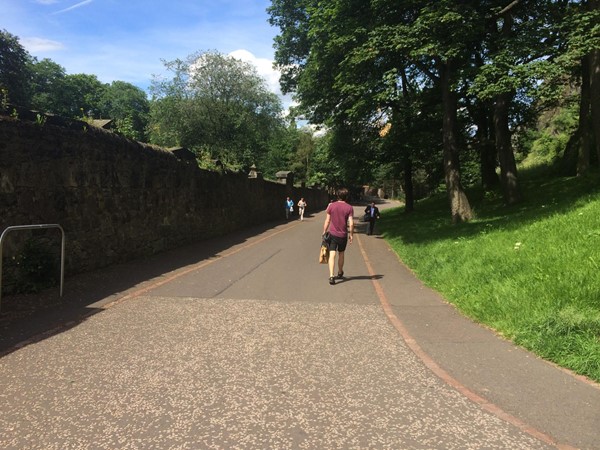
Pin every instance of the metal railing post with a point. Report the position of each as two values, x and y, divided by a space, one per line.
35 227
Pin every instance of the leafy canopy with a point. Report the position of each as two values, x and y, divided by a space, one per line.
215 104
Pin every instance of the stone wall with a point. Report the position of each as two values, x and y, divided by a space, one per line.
118 200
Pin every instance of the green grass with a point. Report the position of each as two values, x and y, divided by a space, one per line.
530 271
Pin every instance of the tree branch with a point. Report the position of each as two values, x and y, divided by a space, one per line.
509 7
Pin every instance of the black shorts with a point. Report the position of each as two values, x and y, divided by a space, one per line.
338 244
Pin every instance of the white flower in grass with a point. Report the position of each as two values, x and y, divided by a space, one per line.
517 246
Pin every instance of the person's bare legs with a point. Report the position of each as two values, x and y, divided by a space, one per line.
340 262
332 262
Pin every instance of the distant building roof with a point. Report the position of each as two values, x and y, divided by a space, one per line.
103 123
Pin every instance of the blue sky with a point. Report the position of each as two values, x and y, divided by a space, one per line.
127 39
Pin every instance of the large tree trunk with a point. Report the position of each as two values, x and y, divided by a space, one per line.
408 186
460 208
506 156
487 149
594 72
568 162
583 155
409 191
595 97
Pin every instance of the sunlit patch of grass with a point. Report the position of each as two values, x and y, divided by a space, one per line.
531 271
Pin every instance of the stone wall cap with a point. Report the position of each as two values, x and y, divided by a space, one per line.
183 153
102 123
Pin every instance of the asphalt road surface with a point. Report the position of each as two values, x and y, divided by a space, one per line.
241 343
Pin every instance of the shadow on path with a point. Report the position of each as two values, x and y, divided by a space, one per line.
34 317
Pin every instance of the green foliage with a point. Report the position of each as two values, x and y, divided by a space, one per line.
83 93
84 96
15 73
325 168
217 102
49 87
126 128
547 144
40 119
361 66
3 99
369 65
304 146
529 271
66 95
128 106
580 28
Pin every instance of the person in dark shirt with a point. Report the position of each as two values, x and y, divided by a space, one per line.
371 215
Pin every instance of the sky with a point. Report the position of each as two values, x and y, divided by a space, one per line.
127 40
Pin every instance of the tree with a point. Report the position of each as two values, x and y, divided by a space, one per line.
302 150
575 62
15 74
280 152
72 96
517 40
593 57
215 103
77 96
48 86
583 53
128 106
83 96
327 170
318 42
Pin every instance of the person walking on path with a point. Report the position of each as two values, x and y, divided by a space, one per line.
301 207
289 207
340 224
371 215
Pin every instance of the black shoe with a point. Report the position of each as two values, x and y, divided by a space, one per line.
340 275
331 280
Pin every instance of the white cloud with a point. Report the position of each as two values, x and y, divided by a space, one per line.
264 67
78 5
34 45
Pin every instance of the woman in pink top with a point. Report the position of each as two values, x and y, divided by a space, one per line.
340 224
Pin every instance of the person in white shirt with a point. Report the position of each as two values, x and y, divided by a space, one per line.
301 207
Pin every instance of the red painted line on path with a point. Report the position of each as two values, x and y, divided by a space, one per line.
442 374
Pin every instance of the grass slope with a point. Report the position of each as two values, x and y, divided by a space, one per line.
530 271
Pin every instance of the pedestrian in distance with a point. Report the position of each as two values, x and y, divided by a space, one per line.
371 216
301 206
289 207
339 222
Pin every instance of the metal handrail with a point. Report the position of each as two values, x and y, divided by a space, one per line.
35 227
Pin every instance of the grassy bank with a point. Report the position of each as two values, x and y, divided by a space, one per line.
531 271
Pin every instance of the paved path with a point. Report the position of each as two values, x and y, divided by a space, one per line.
240 343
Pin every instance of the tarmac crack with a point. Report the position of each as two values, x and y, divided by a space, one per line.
248 272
